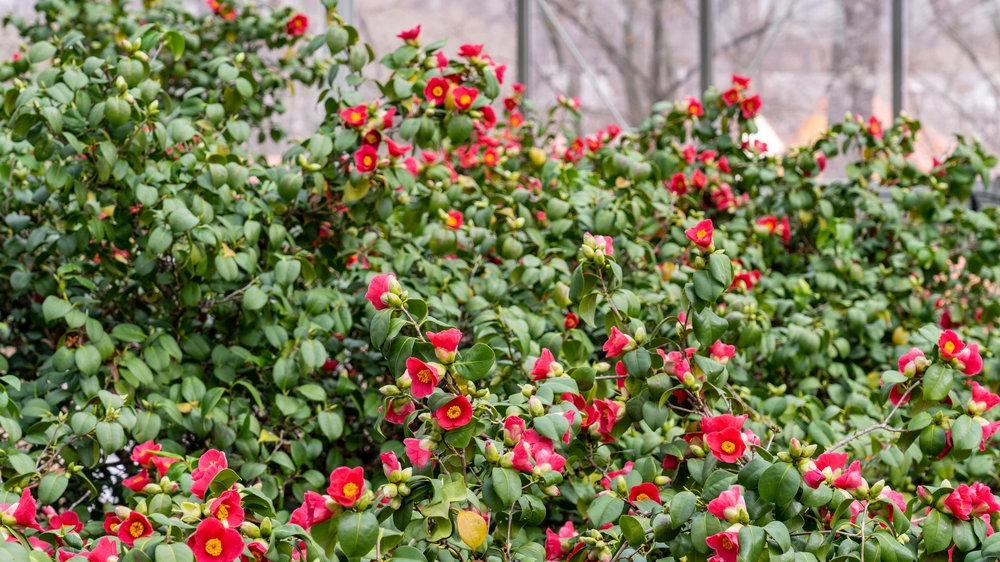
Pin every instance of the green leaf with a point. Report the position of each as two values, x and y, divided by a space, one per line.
552 426
43 50
111 437
313 353
605 509
88 359
779 533
408 554
637 362
936 532
51 488
331 424
476 362
937 382
721 268
460 128
54 308
254 299
752 541
182 220
175 42
682 507
358 533
507 485
129 333
779 483
588 307
966 434
633 531
708 326
173 552
223 481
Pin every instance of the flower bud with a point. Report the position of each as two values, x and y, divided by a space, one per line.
492 454
877 489
392 300
794 447
507 460
662 480
561 295
551 491
141 56
640 334
250 530
122 512
394 286
390 491
403 489
588 252
527 390
535 407
407 473
621 486
240 57
602 367
121 85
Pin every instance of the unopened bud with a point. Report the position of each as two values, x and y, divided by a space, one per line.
141 56
640 334
621 485
250 530
551 491
390 491
122 512
527 390
602 367
535 407
240 57
121 85
403 489
394 286
662 480
492 454
389 390
265 527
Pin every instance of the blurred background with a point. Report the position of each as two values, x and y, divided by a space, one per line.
811 60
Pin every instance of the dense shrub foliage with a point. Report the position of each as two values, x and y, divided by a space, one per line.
445 328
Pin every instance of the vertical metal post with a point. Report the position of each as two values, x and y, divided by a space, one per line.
706 42
524 45
898 58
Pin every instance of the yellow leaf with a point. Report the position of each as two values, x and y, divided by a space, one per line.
900 336
472 529
356 192
186 407
266 437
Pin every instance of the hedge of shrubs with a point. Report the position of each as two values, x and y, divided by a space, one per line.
445 327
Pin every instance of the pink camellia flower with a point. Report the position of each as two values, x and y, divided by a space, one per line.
456 413
768 224
162 464
513 428
645 491
416 451
397 409
969 361
607 416
725 544
356 116
214 542
721 422
678 184
22 512
875 127
111 523
897 397
390 463
741 82
143 453
106 550
464 97
347 485
372 138
727 445
626 469
297 25
701 234
138 482
558 545
949 345
227 508
571 321
397 150
912 362
67 520
258 549
410 34
729 506
445 344
618 343
455 219
378 287
366 159
436 90
694 107
749 107
545 366
981 401
135 526
959 502
828 467
983 501
209 465
851 479
469 51
989 429
622 373
698 179
722 352
731 96
424 376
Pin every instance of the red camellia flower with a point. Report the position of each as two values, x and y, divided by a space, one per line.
390 463
949 345
456 413
959 502
464 97
731 96
490 157
136 526
741 82
366 159
750 107
297 25
410 34
694 107
727 445
143 453
209 465
137 482
397 150
729 505
875 127
111 523
213 542
559 545
397 409
227 508
618 343
356 116
678 184
969 361
982 400
769 223
22 511
543 365
445 343
162 464
417 452
698 179
645 491
379 287
725 544
106 550
721 352
372 138
347 485
572 321
701 234
437 90
455 219
722 421
851 478
469 51
425 377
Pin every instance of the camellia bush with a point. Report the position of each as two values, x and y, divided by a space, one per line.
445 328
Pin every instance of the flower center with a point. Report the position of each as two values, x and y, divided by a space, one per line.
258 556
425 375
222 513
136 529
641 497
701 233
454 412
114 527
355 116
350 490
438 91
213 547
949 346
728 447
368 160
727 544
465 99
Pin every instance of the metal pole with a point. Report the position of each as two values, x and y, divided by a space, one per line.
706 42
524 45
897 56
568 41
